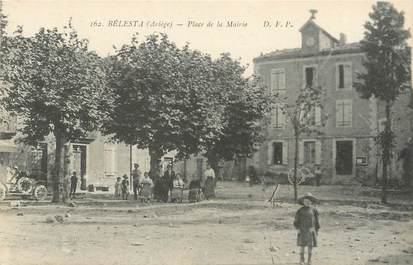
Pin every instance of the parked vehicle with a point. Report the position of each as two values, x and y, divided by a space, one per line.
22 185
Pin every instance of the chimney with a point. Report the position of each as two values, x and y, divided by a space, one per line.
343 39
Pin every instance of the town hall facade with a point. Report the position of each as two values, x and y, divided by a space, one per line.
345 148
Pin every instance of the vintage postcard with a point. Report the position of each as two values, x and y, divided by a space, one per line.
206 132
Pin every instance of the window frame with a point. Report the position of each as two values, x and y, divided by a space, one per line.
272 73
315 76
277 110
273 160
343 121
337 76
314 155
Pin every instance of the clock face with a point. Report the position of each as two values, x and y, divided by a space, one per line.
310 41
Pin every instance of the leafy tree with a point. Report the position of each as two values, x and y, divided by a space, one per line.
245 105
388 72
301 113
56 87
162 98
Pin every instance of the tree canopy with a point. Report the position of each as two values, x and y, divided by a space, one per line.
388 56
169 98
56 86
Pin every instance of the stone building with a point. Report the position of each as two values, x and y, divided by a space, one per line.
346 149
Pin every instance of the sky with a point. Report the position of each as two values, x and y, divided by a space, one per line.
188 22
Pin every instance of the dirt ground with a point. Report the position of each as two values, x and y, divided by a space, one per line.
238 227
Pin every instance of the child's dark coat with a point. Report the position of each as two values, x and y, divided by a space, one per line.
307 223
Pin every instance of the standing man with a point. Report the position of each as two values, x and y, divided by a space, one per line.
136 176
167 181
318 174
73 184
406 155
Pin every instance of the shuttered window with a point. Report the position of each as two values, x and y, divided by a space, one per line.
344 113
278 80
309 152
278 117
110 159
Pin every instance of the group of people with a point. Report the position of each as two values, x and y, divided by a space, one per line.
122 184
164 187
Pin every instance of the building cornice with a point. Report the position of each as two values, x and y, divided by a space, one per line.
310 58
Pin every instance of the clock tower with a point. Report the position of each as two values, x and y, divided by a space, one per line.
314 38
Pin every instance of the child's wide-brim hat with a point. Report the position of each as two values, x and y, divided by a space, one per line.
125 177
308 196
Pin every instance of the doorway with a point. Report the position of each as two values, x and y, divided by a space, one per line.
344 157
79 163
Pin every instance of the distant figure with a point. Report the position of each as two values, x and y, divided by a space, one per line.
209 182
307 223
318 174
253 175
118 188
73 184
125 187
146 179
177 188
407 156
136 175
195 192
167 180
146 188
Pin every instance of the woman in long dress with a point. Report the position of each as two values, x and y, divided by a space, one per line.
209 183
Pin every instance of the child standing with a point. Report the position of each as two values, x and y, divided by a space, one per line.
118 188
125 187
307 223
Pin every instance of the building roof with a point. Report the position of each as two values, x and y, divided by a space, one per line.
311 22
298 53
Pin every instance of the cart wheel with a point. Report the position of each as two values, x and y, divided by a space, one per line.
3 191
24 185
40 192
300 177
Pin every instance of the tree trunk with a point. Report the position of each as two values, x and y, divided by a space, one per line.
387 145
59 167
66 175
295 168
155 165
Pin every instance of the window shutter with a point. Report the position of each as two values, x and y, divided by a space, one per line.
270 153
300 152
109 150
317 115
282 79
348 113
337 76
285 153
281 118
274 117
273 80
315 77
318 152
348 80
339 113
